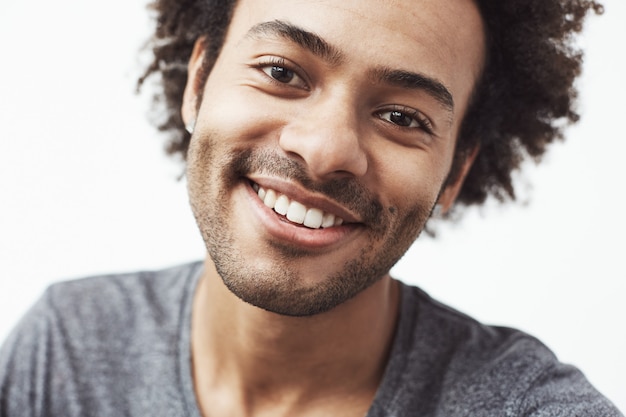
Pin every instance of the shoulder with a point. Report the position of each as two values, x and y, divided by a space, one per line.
117 308
475 369
100 291
120 298
87 341
468 342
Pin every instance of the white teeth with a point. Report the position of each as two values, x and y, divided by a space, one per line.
328 220
313 218
296 212
270 198
282 205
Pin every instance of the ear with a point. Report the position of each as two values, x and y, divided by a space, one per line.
452 190
189 108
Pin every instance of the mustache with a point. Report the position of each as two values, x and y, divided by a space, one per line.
349 192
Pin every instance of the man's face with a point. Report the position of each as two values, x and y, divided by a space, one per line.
324 138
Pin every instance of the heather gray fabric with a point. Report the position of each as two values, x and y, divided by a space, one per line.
116 346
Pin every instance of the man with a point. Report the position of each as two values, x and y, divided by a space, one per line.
323 137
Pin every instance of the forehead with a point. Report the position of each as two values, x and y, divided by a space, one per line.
442 39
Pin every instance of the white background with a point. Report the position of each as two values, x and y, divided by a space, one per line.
85 188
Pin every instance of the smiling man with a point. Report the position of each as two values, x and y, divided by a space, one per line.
321 136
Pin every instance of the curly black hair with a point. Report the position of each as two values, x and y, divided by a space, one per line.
522 102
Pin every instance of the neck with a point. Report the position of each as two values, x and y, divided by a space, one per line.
246 359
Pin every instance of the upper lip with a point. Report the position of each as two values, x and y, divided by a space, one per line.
309 199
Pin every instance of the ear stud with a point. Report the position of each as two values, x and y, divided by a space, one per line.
189 127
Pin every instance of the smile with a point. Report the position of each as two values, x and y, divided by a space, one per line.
296 212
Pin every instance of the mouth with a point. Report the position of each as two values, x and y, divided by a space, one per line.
295 211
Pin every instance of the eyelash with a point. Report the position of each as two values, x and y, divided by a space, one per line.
423 122
280 63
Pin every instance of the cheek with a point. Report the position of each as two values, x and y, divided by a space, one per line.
232 118
410 209
199 174
241 113
408 178
410 181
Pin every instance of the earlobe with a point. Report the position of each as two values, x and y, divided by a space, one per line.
452 190
189 106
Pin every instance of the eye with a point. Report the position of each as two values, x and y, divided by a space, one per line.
281 72
401 119
406 118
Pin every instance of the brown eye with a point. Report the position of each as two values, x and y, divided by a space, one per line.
406 118
400 119
281 74
284 75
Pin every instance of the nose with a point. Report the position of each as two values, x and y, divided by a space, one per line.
325 136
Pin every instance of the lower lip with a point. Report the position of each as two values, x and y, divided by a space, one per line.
282 229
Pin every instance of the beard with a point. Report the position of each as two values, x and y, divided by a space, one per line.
275 285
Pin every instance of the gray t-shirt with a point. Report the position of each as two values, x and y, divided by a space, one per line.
120 346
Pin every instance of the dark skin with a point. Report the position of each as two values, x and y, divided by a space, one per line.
361 128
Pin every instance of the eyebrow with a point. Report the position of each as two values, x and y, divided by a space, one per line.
305 39
383 75
414 81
